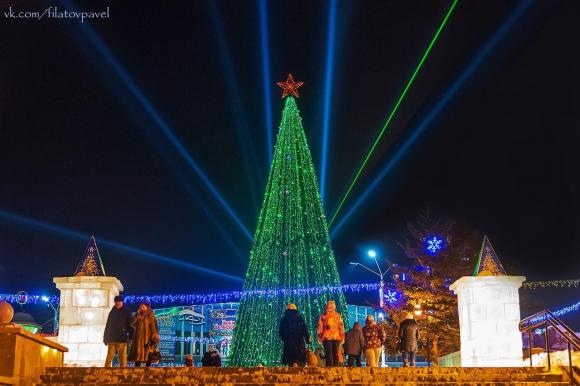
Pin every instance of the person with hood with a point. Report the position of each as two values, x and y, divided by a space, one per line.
117 332
408 336
295 337
354 345
145 334
330 333
374 338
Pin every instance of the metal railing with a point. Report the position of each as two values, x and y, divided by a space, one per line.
544 320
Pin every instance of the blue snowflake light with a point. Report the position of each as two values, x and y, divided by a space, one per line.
434 245
391 296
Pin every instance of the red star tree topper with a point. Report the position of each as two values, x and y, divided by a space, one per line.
289 87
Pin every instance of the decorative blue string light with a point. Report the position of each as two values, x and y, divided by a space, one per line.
192 339
28 299
222 297
560 312
226 297
390 295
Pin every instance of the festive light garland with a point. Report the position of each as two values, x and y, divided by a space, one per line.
551 283
27 299
191 339
220 297
224 297
560 312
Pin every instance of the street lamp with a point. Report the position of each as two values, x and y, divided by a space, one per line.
48 302
373 254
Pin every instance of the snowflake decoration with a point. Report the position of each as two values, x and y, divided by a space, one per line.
434 244
390 296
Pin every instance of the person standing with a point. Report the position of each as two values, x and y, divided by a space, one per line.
117 332
409 336
330 333
211 358
374 336
145 335
354 345
295 336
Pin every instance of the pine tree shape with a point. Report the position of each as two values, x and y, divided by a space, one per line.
91 263
291 250
488 263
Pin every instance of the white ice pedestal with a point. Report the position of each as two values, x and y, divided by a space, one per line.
489 314
85 302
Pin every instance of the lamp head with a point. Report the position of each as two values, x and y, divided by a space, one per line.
372 253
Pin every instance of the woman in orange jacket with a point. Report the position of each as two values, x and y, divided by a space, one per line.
331 333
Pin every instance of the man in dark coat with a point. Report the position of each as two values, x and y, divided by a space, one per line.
117 332
409 335
295 337
354 345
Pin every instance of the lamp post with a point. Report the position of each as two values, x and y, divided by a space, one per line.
373 254
421 312
47 300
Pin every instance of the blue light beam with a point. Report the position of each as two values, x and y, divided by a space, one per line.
12 217
441 104
267 85
238 110
327 95
156 117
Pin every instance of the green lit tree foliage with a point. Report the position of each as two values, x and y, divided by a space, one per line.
425 280
291 250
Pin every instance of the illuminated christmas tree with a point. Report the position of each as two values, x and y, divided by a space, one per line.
291 248
91 263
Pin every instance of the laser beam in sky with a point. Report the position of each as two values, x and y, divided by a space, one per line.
393 112
148 107
240 120
442 102
60 230
267 85
327 94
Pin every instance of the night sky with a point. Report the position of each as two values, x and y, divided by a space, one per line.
79 151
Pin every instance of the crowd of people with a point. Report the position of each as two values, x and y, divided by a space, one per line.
367 340
141 331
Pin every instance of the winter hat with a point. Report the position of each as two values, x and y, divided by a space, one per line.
118 298
370 319
291 306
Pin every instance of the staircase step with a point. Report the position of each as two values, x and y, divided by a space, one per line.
295 376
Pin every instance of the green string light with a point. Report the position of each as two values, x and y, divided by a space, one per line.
392 114
291 250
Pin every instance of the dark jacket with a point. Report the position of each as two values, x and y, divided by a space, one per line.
118 326
145 336
409 335
211 359
355 341
295 336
